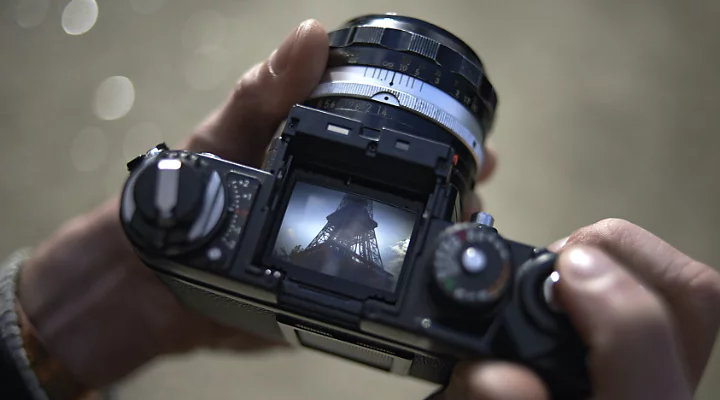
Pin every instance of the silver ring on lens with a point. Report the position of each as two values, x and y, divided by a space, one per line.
406 92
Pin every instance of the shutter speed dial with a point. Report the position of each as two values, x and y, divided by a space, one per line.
471 265
172 203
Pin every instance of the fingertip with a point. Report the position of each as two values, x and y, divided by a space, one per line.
312 52
503 381
582 262
626 327
312 27
587 277
292 69
313 39
605 301
306 63
585 273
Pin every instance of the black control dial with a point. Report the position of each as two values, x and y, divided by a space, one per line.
471 265
172 203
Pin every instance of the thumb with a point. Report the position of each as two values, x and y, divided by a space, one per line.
632 349
242 127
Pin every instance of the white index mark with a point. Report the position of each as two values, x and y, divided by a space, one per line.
166 192
338 129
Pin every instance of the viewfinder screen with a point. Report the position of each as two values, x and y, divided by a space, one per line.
344 235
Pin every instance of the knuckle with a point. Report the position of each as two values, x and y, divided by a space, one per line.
240 85
614 225
603 232
247 82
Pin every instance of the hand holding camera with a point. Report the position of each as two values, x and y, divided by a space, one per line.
649 341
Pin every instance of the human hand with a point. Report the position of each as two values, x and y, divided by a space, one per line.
95 306
647 312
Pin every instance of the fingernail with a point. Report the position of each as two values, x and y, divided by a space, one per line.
556 246
584 263
280 58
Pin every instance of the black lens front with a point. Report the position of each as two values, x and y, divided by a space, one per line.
406 74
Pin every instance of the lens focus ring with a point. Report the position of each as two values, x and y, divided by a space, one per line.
481 103
408 42
398 40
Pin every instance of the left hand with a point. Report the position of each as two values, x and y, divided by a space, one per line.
93 304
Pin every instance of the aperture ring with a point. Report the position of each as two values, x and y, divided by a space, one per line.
468 131
424 70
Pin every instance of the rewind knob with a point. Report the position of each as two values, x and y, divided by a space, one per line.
172 203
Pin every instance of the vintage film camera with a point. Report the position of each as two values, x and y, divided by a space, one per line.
350 240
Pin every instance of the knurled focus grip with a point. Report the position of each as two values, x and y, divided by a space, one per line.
413 43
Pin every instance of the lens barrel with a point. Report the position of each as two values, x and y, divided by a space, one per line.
402 73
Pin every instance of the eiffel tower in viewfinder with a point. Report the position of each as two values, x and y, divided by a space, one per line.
347 246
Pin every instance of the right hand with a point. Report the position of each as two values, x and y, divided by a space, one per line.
647 312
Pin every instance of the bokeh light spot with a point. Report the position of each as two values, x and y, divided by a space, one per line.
31 13
114 98
79 16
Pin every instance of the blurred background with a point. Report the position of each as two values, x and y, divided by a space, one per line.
607 109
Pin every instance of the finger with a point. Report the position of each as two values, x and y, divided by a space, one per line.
691 288
242 128
472 202
493 380
557 245
489 164
633 353
471 205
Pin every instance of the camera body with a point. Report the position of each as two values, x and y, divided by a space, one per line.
350 241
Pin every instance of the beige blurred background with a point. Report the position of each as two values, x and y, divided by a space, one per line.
607 109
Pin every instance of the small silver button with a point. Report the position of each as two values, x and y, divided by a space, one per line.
473 260
483 218
214 254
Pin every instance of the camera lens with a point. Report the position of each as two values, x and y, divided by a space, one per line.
405 74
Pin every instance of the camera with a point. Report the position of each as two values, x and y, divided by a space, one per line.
350 238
